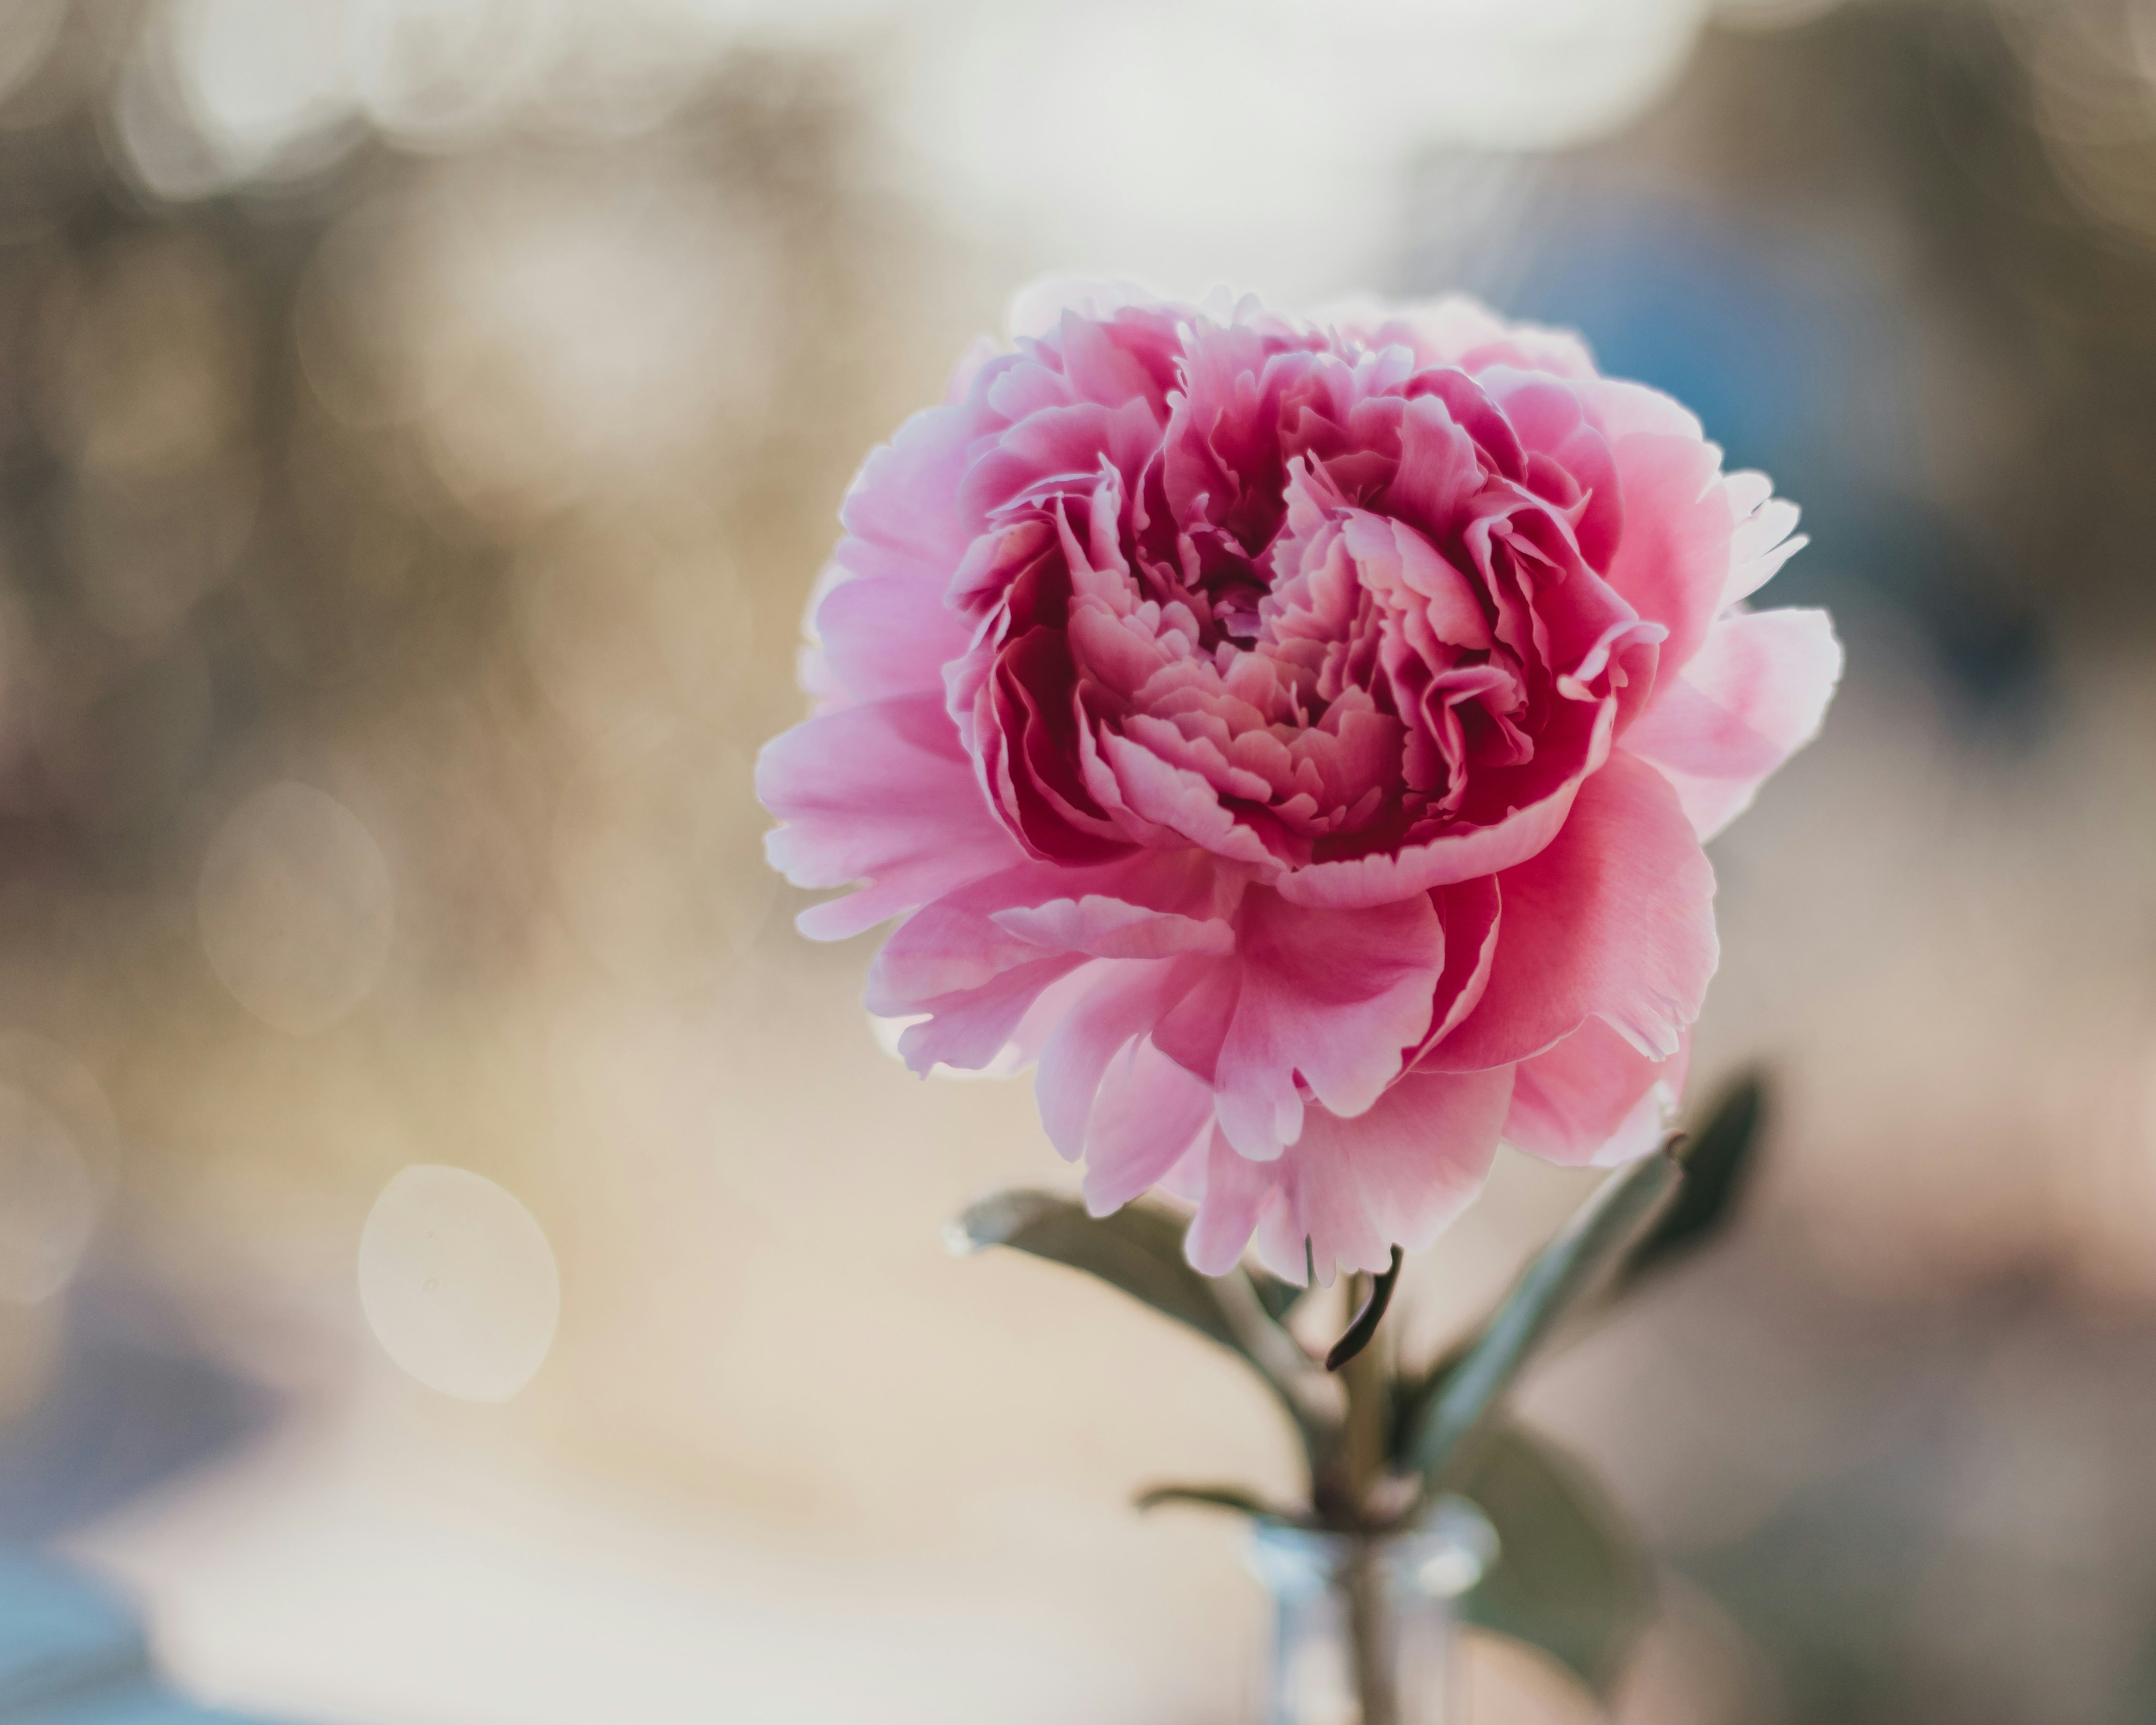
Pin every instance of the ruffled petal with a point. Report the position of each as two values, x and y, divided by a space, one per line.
1471 915
1353 1188
969 1029
1147 1113
883 635
880 793
1329 1000
1106 927
1233 1193
1594 1098
1614 919
900 514
1754 694
1148 906
1673 563
1457 330
1125 1001
1765 535
1454 856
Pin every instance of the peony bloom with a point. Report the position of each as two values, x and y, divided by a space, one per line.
1298 738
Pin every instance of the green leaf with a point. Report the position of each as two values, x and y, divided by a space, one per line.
1411 1396
1232 1498
1554 1280
1139 1249
1718 1161
1571 1578
1278 1297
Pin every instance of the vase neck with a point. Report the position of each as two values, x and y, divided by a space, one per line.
1363 1625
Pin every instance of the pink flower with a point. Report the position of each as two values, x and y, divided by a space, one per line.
1298 738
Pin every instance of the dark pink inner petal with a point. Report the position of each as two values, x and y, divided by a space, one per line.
1345 605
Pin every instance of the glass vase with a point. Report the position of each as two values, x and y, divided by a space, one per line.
1364 1627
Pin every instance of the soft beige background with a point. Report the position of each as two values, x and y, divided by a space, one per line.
432 421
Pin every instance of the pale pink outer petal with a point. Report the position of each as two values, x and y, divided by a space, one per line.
971 363
969 1029
1111 928
1328 997
955 945
1000 960
971 934
883 635
1622 410
1458 331
1149 1112
900 513
1765 537
1395 1174
1124 999
1672 561
880 793
1594 1098
1614 919
1231 1193
1754 694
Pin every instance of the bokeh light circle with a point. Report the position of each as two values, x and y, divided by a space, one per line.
458 1282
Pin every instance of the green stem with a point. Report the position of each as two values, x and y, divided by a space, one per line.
1361 1582
1370 1636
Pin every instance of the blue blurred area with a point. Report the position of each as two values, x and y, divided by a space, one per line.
127 1408
1795 357
131 1404
71 1653
60 1634
1779 352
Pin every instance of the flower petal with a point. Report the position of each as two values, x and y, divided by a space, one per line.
880 793
1616 919
1125 1001
1330 997
1470 914
900 513
969 1028
883 635
1149 1112
1110 928
1394 1175
1594 1098
1454 856
1673 561
1754 695
1765 535
1458 331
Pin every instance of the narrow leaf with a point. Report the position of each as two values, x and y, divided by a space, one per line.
1232 1498
1411 1396
1554 1280
1139 1249
1365 1326
1570 1578
1278 1297
1718 1160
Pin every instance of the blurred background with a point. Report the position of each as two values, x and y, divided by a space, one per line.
464 1260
